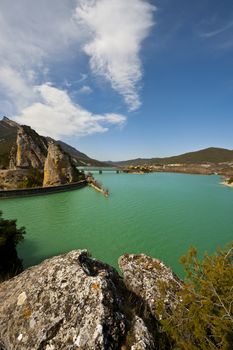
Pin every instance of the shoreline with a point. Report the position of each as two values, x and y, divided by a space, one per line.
225 183
101 190
37 191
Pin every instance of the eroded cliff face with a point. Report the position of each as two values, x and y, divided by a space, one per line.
59 168
30 150
75 302
32 157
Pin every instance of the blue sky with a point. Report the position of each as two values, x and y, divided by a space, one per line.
120 79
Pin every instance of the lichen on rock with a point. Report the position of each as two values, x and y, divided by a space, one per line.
58 305
74 302
147 278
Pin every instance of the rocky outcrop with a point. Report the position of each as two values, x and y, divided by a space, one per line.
75 302
68 302
150 280
32 158
8 136
59 168
72 302
30 150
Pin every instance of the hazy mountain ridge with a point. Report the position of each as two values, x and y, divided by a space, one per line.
208 155
81 159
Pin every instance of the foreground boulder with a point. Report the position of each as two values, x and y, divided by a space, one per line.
67 302
150 280
73 302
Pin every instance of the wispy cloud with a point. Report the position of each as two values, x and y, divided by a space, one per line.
213 33
56 115
115 32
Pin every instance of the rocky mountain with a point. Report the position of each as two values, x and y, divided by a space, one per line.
30 150
81 159
58 167
207 155
35 162
75 302
8 136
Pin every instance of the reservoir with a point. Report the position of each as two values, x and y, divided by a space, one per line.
159 214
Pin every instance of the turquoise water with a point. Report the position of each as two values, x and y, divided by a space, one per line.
158 214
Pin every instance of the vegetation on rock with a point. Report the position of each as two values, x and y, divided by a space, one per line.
10 236
34 179
230 180
202 315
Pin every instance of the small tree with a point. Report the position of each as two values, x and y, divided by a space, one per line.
10 236
230 180
203 314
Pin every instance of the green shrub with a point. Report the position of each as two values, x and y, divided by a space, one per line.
34 179
230 180
10 236
203 315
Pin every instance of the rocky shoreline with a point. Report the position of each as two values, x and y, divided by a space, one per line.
226 183
92 182
75 302
223 169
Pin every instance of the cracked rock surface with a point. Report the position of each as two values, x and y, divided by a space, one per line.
145 276
74 302
67 302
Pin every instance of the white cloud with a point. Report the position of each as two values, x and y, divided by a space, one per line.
56 115
85 89
33 31
15 87
116 30
35 36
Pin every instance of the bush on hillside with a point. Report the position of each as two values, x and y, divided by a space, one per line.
34 179
202 317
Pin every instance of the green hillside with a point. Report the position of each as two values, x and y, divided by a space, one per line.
207 155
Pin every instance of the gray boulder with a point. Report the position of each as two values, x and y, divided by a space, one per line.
71 302
67 302
151 280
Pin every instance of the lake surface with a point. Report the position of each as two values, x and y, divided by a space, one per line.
159 214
